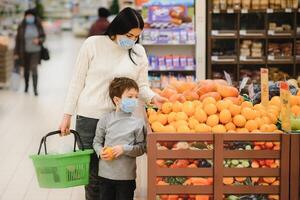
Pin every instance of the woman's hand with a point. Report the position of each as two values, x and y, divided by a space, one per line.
65 125
158 100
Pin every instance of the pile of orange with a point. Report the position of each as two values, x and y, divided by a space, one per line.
217 116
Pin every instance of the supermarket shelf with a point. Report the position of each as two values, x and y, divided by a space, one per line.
178 44
223 60
280 35
289 60
246 60
170 70
252 34
266 154
252 172
183 172
223 34
186 154
245 11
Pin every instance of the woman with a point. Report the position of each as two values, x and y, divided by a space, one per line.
29 40
100 60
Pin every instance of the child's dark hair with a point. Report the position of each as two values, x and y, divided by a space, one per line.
119 85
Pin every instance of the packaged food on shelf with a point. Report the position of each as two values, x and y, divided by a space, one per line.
273 26
298 47
280 50
251 48
172 62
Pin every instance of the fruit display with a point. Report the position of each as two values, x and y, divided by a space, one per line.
252 197
252 146
198 163
236 163
185 181
263 181
183 197
184 145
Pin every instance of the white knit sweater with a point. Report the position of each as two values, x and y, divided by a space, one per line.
100 60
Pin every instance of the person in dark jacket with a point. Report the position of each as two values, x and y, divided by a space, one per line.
29 40
100 26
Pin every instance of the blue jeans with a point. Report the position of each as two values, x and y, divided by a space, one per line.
86 127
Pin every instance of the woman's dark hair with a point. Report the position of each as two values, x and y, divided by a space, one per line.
119 85
103 12
126 20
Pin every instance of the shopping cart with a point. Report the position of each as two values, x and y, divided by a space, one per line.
62 170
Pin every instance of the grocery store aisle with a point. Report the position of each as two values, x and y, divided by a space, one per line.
24 119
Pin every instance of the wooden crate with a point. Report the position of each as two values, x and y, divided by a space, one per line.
295 167
218 171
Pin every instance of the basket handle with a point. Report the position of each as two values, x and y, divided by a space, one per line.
76 139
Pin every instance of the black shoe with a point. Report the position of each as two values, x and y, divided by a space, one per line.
36 93
26 90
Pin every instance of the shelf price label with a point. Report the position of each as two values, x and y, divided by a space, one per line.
230 11
285 107
264 77
243 58
243 32
288 10
216 11
215 58
271 57
228 78
215 32
270 10
244 11
271 32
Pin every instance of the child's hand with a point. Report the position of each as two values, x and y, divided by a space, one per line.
104 155
118 151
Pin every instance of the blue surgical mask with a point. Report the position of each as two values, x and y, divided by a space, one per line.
128 105
125 42
29 20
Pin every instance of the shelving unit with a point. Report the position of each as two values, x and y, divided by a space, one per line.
177 48
228 28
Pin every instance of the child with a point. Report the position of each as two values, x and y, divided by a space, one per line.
120 138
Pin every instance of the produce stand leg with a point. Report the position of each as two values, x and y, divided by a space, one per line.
218 166
295 167
151 151
284 167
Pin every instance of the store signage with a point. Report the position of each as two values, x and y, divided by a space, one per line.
264 76
285 107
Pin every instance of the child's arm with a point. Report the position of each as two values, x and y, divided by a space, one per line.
139 147
100 137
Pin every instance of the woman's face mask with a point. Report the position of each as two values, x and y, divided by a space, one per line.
29 19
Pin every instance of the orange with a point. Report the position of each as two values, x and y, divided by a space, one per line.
231 131
157 127
272 127
251 125
174 123
266 120
259 122
263 113
258 107
177 106
181 116
274 111
166 108
273 118
181 123
202 128
225 116
278 131
212 120
234 109
223 104
295 110
248 113
200 115
257 113
193 123
163 119
247 104
169 129
188 108
275 101
230 126
151 111
239 120
265 128
210 109
109 152
209 100
171 117
242 130
183 129
152 118
219 129
197 103
294 100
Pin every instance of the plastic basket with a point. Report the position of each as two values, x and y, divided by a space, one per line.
62 170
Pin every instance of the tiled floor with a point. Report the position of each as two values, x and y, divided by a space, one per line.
24 119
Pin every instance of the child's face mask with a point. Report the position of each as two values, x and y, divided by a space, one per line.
128 105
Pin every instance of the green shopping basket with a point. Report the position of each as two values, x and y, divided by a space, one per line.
62 170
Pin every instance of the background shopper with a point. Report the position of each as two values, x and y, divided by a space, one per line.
101 25
100 60
29 40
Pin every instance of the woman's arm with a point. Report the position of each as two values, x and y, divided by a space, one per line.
78 80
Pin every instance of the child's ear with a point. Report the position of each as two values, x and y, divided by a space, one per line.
117 100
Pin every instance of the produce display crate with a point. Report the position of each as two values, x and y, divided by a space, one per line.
295 167
6 65
218 190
